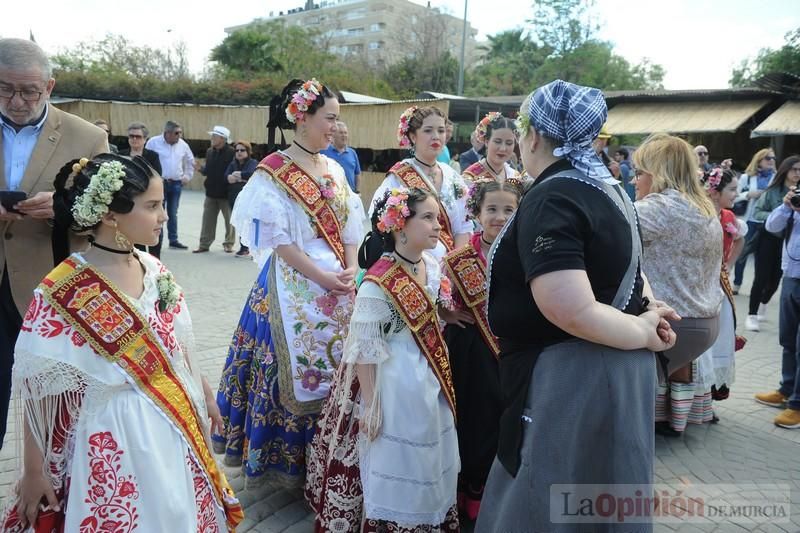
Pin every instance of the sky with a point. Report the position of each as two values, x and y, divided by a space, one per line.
698 42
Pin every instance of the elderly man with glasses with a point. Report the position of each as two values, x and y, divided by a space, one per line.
37 140
702 156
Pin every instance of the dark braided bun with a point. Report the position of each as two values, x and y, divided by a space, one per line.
69 185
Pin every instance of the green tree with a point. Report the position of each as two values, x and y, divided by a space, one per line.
594 63
116 55
246 52
564 25
784 59
274 48
415 74
511 59
570 29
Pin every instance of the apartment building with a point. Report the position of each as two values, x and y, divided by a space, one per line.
379 32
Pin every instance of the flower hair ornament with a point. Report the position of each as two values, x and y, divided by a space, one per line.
472 196
523 124
402 127
483 125
302 100
392 216
712 178
93 202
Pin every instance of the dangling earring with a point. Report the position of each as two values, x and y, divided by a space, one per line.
403 238
121 240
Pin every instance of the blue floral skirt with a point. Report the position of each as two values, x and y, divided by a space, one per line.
259 433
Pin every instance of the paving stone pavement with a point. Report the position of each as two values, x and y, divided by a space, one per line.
744 447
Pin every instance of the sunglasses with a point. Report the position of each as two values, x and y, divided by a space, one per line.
134 136
241 150
770 158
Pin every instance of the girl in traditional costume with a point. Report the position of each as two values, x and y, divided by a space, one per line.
498 134
386 456
422 129
717 366
473 348
116 415
302 223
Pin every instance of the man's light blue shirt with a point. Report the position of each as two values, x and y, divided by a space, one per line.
17 149
790 258
348 159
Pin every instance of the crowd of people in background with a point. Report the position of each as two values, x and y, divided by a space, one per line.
406 379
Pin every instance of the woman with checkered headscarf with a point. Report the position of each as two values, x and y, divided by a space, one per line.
566 294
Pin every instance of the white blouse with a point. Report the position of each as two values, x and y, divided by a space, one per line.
266 217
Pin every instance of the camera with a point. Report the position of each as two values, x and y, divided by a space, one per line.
795 200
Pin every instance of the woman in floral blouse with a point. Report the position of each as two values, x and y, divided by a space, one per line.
682 241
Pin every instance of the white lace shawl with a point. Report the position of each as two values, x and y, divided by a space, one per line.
373 322
266 217
55 376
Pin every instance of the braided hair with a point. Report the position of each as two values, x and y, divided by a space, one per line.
479 189
70 185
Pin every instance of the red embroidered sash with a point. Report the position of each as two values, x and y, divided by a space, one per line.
305 190
468 273
476 171
119 334
411 178
419 314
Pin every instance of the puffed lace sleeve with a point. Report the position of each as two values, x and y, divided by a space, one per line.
372 321
741 226
265 217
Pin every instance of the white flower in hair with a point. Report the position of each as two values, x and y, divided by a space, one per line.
93 203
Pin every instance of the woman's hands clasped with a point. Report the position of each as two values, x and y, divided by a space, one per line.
655 323
339 283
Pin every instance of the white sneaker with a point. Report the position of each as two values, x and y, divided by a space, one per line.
736 289
762 312
751 324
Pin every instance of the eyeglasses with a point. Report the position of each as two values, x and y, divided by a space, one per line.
29 95
702 153
241 150
638 172
770 158
177 132
135 136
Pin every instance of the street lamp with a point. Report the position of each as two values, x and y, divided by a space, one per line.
463 46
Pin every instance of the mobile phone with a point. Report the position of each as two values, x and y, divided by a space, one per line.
9 199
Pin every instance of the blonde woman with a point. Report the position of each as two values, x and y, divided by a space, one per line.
682 241
756 178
